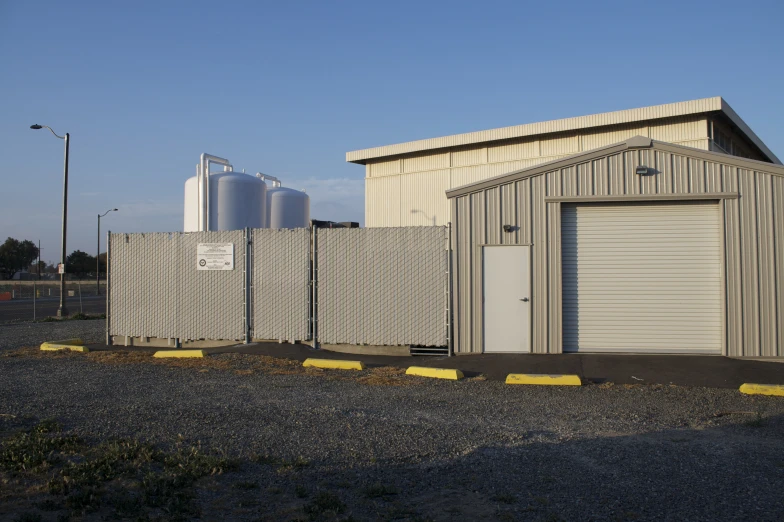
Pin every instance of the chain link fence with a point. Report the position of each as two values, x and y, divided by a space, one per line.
46 289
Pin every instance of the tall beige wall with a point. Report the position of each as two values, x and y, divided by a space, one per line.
409 190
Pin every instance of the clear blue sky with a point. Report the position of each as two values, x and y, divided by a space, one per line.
289 87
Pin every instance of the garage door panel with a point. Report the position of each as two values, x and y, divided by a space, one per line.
642 277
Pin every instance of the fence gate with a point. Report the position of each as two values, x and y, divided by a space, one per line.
382 286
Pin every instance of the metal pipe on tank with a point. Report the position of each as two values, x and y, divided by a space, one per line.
264 177
206 159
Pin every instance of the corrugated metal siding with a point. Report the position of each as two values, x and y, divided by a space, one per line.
422 201
156 290
604 137
385 167
382 286
382 202
469 165
513 151
642 277
560 145
753 223
548 127
679 130
281 282
427 161
472 156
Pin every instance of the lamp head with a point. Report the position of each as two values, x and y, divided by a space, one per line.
36 127
115 209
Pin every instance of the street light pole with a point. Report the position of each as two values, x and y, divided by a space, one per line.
61 311
98 253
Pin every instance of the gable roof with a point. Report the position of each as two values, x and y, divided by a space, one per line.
637 142
669 110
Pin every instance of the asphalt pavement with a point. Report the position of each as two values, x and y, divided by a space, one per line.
710 371
22 309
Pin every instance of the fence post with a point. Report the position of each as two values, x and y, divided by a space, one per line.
314 286
108 285
247 283
449 317
79 284
34 292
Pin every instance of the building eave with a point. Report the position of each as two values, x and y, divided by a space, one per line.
627 116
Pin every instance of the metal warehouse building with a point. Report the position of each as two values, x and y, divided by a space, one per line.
405 183
640 246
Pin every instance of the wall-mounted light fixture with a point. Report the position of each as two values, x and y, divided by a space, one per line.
642 170
508 228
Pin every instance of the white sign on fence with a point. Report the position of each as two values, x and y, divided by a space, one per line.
215 256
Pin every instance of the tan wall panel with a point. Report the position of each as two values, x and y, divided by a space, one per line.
605 137
703 144
384 167
472 156
467 175
678 131
423 200
513 151
382 202
560 146
429 161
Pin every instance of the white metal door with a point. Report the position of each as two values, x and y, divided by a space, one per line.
642 277
507 298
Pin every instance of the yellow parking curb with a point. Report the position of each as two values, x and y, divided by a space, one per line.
763 389
435 373
543 379
75 345
333 364
180 353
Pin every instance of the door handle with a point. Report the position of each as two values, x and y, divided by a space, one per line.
524 299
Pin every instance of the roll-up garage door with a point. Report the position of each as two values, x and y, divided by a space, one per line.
642 277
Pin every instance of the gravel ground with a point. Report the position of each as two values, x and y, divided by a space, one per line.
413 449
15 335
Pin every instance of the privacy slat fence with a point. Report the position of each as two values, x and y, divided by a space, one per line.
382 286
155 289
281 284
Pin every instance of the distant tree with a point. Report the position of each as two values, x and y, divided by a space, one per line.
16 255
102 261
80 264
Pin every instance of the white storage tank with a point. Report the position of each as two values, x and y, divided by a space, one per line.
287 208
236 201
